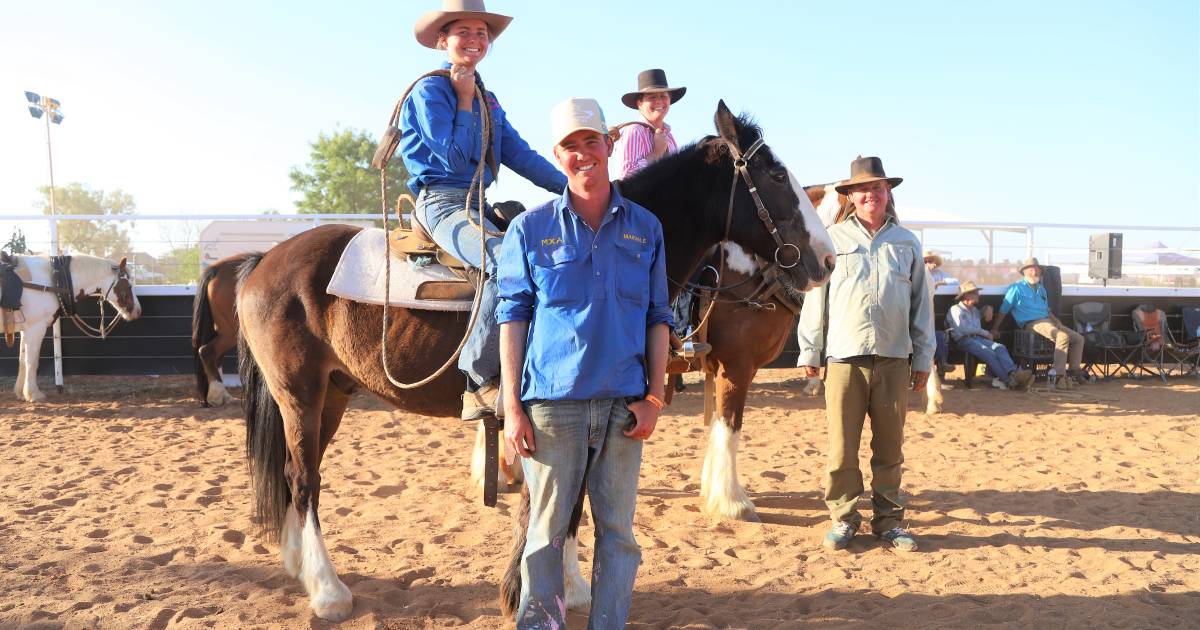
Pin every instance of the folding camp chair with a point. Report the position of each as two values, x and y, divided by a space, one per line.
1150 322
1182 354
1104 348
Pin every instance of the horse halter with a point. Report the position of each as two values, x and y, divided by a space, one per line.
741 166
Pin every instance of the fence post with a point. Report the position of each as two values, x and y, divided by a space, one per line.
57 327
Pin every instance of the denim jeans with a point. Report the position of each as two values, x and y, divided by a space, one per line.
941 351
573 438
994 354
442 211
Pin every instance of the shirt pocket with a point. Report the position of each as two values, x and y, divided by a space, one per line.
850 265
557 275
633 271
899 261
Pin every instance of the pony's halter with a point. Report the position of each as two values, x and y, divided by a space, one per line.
103 330
741 166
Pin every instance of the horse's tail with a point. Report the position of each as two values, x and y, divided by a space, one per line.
510 586
266 447
203 330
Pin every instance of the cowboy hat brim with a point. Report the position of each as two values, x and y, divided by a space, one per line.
892 182
630 100
430 25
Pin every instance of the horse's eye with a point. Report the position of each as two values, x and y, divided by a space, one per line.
779 177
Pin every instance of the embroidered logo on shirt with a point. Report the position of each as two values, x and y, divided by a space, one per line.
554 240
492 102
636 239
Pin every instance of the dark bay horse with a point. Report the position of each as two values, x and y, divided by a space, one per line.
215 327
303 351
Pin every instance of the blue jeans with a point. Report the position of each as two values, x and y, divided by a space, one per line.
994 354
442 211
941 351
574 437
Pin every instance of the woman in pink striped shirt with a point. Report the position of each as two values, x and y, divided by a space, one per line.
640 145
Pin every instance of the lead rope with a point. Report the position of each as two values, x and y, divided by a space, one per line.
476 180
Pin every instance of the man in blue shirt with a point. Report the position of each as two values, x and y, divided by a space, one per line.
584 321
1027 301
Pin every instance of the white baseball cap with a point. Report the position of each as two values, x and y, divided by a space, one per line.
575 114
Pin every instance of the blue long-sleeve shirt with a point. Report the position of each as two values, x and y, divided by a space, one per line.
441 145
589 297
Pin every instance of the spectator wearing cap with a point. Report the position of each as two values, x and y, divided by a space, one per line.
964 324
641 144
1027 301
583 374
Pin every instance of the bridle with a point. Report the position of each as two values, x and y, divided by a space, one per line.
64 290
741 167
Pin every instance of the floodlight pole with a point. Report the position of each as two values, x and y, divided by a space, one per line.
50 158
59 381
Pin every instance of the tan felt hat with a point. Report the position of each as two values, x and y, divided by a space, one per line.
432 23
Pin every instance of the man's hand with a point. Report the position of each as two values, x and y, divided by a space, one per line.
811 372
518 434
987 312
462 78
988 335
645 419
918 380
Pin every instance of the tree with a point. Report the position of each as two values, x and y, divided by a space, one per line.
181 265
339 179
16 244
106 239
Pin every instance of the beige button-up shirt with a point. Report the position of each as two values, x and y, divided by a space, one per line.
879 301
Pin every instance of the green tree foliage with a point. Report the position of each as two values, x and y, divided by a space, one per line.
339 179
181 265
16 244
106 239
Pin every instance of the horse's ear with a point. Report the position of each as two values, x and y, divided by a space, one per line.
121 265
726 123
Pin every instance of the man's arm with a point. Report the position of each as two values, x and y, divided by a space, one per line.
518 431
810 330
1006 305
920 322
646 413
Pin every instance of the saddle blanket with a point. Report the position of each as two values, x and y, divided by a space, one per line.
359 276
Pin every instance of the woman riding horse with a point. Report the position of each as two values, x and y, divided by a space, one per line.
442 132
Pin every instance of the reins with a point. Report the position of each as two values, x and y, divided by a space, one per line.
383 156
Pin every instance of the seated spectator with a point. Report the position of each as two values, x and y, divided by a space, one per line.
963 322
933 262
1030 307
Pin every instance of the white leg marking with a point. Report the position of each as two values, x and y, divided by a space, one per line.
933 393
328 596
721 494
217 394
32 340
19 386
814 387
579 592
290 542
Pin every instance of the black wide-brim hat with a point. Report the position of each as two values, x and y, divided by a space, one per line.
650 82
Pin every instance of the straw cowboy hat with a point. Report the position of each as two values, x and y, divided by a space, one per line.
432 23
1029 262
964 289
865 170
574 114
937 259
650 82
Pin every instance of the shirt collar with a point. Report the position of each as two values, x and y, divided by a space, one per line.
887 220
616 201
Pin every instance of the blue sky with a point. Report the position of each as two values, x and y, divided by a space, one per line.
1080 112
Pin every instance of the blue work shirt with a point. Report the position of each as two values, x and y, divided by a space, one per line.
440 145
1027 302
589 297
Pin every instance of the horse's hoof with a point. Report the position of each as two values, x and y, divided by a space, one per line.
36 398
933 409
335 603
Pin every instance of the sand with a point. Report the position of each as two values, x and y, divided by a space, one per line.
125 505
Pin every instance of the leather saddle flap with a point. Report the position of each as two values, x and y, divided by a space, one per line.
445 290
404 243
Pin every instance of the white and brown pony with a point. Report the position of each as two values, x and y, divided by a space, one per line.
46 297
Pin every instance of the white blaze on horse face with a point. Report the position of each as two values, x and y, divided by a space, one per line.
818 237
738 259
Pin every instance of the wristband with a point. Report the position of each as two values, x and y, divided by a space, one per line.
656 401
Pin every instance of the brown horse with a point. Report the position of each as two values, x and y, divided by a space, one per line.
215 327
303 351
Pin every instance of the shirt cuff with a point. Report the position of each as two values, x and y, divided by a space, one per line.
512 312
809 358
657 316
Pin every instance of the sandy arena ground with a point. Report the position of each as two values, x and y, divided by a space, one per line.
123 504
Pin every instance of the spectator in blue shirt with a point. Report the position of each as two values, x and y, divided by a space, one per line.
441 143
584 322
963 322
1027 301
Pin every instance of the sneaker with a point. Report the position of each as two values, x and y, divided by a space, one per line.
481 402
1023 377
998 384
840 535
1064 383
900 538
1078 377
